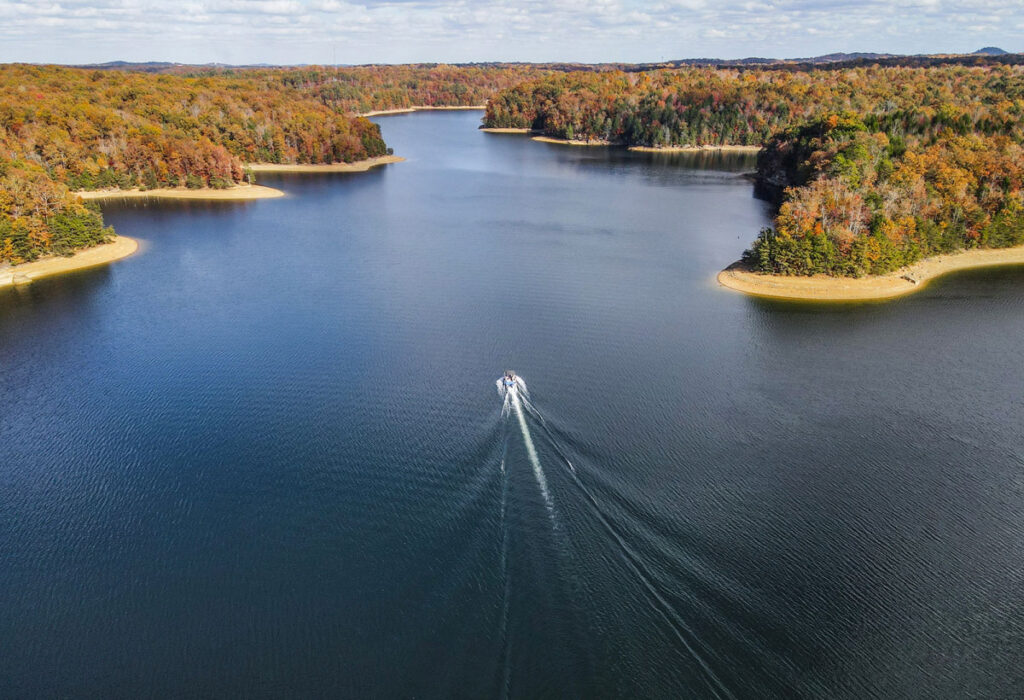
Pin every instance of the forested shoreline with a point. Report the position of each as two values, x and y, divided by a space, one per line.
69 129
874 168
63 129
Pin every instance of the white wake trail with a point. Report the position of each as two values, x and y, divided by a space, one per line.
516 401
506 599
531 451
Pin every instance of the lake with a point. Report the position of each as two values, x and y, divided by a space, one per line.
266 456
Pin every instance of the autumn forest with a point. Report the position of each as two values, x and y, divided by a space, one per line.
871 167
67 129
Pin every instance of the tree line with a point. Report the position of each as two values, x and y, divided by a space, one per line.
67 129
873 167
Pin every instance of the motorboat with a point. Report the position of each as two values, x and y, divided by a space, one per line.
511 384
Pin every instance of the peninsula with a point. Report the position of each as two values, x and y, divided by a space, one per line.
120 247
904 281
354 167
235 192
881 177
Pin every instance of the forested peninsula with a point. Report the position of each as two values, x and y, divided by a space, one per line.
189 131
64 129
873 168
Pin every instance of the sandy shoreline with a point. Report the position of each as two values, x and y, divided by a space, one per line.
356 167
574 142
120 247
824 288
420 108
638 149
507 130
238 192
695 149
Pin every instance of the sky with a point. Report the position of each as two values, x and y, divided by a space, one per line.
402 31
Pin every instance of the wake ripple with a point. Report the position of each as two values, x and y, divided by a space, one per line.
683 632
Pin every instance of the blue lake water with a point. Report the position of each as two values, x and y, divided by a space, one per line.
266 458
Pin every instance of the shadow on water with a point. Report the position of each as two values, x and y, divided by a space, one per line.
665 169
61 294
160 206
988 283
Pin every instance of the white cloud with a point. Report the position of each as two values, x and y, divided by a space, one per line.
360 31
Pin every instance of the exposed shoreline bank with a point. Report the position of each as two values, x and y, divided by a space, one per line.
120 247
243 192
507 130
356 167
695 149
419 108
574 142
727 148
909 279
238 192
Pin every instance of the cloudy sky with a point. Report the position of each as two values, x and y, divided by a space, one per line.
398 31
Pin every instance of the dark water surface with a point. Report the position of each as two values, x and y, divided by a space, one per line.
266 458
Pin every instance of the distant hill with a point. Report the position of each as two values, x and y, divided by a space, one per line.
144 67
168 67
984 56
858 58
838 61
840 57
758 61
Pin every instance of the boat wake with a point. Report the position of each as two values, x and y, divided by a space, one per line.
516 399
515 392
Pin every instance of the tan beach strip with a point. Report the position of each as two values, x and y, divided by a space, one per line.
238 192
695 149
421 108
574 142
356 167
506 130
120 247
824 288
639 149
